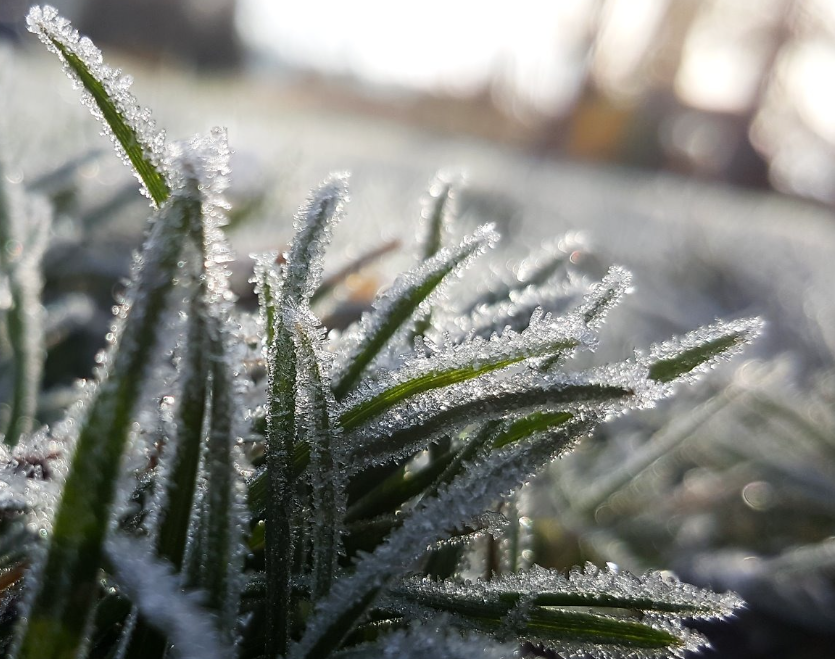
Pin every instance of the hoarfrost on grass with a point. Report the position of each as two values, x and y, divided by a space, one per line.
394 311
61 38
314 225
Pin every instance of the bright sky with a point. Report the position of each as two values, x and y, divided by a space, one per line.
456 45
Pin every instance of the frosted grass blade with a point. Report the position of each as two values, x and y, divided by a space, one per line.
314 223
412 425
222 555
410 294
316 427
588 586
281 358
544 337
106 94
698 351
193 478
63 596
456 503
181 479
513 602
436 214
24 221
435 225
605 295
567 631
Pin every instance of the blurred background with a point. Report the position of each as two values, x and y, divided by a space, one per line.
692 141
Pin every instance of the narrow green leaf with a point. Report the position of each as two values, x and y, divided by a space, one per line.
529 425
415 429
314 223
556 629
175 515
605 295
516 601
446 375
257 494
317 429
281 358
221 556
699 350
67 588
177 510
400 303
436 215
24 222
109 99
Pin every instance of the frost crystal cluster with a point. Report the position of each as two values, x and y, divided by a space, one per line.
247 486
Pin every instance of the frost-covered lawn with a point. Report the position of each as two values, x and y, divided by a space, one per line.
334 408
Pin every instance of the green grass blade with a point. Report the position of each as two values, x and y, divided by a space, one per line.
25 222
257 493
700 350
314 223
317 429
67 585
605 295
398 305
436 215
589 586
488 604
180 479
181 482
137 142
280 474
466 362
221 558
414 429
526 426
555 628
